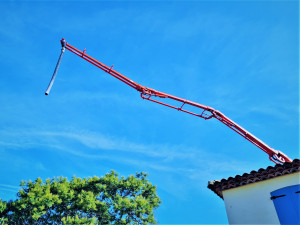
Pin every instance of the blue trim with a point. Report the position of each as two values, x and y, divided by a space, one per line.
287 203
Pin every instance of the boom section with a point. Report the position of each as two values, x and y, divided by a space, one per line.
206 111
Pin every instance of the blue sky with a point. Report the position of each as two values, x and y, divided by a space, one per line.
240 57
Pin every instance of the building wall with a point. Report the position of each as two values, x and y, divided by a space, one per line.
251 204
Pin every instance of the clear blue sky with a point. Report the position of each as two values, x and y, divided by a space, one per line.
240 57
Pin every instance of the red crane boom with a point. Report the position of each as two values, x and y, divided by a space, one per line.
149 93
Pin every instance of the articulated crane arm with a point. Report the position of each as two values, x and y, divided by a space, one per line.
149 93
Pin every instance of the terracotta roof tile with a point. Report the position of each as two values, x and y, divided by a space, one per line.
270 172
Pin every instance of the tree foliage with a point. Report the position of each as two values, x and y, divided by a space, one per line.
98 200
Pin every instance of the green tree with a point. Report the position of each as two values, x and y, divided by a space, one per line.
98 200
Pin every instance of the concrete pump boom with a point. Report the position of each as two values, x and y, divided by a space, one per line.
149 93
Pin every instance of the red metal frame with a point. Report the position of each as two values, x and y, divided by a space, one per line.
207 112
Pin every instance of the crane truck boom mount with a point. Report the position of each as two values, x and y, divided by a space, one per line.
150 94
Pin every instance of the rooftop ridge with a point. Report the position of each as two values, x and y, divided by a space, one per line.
217 186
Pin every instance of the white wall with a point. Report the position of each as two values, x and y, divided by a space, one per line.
251 204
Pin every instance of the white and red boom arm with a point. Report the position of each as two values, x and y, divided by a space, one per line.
149 93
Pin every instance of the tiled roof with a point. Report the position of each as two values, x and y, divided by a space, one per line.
270 172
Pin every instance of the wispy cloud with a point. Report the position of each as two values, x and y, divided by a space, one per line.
159 157
9 188
282 111
93 140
